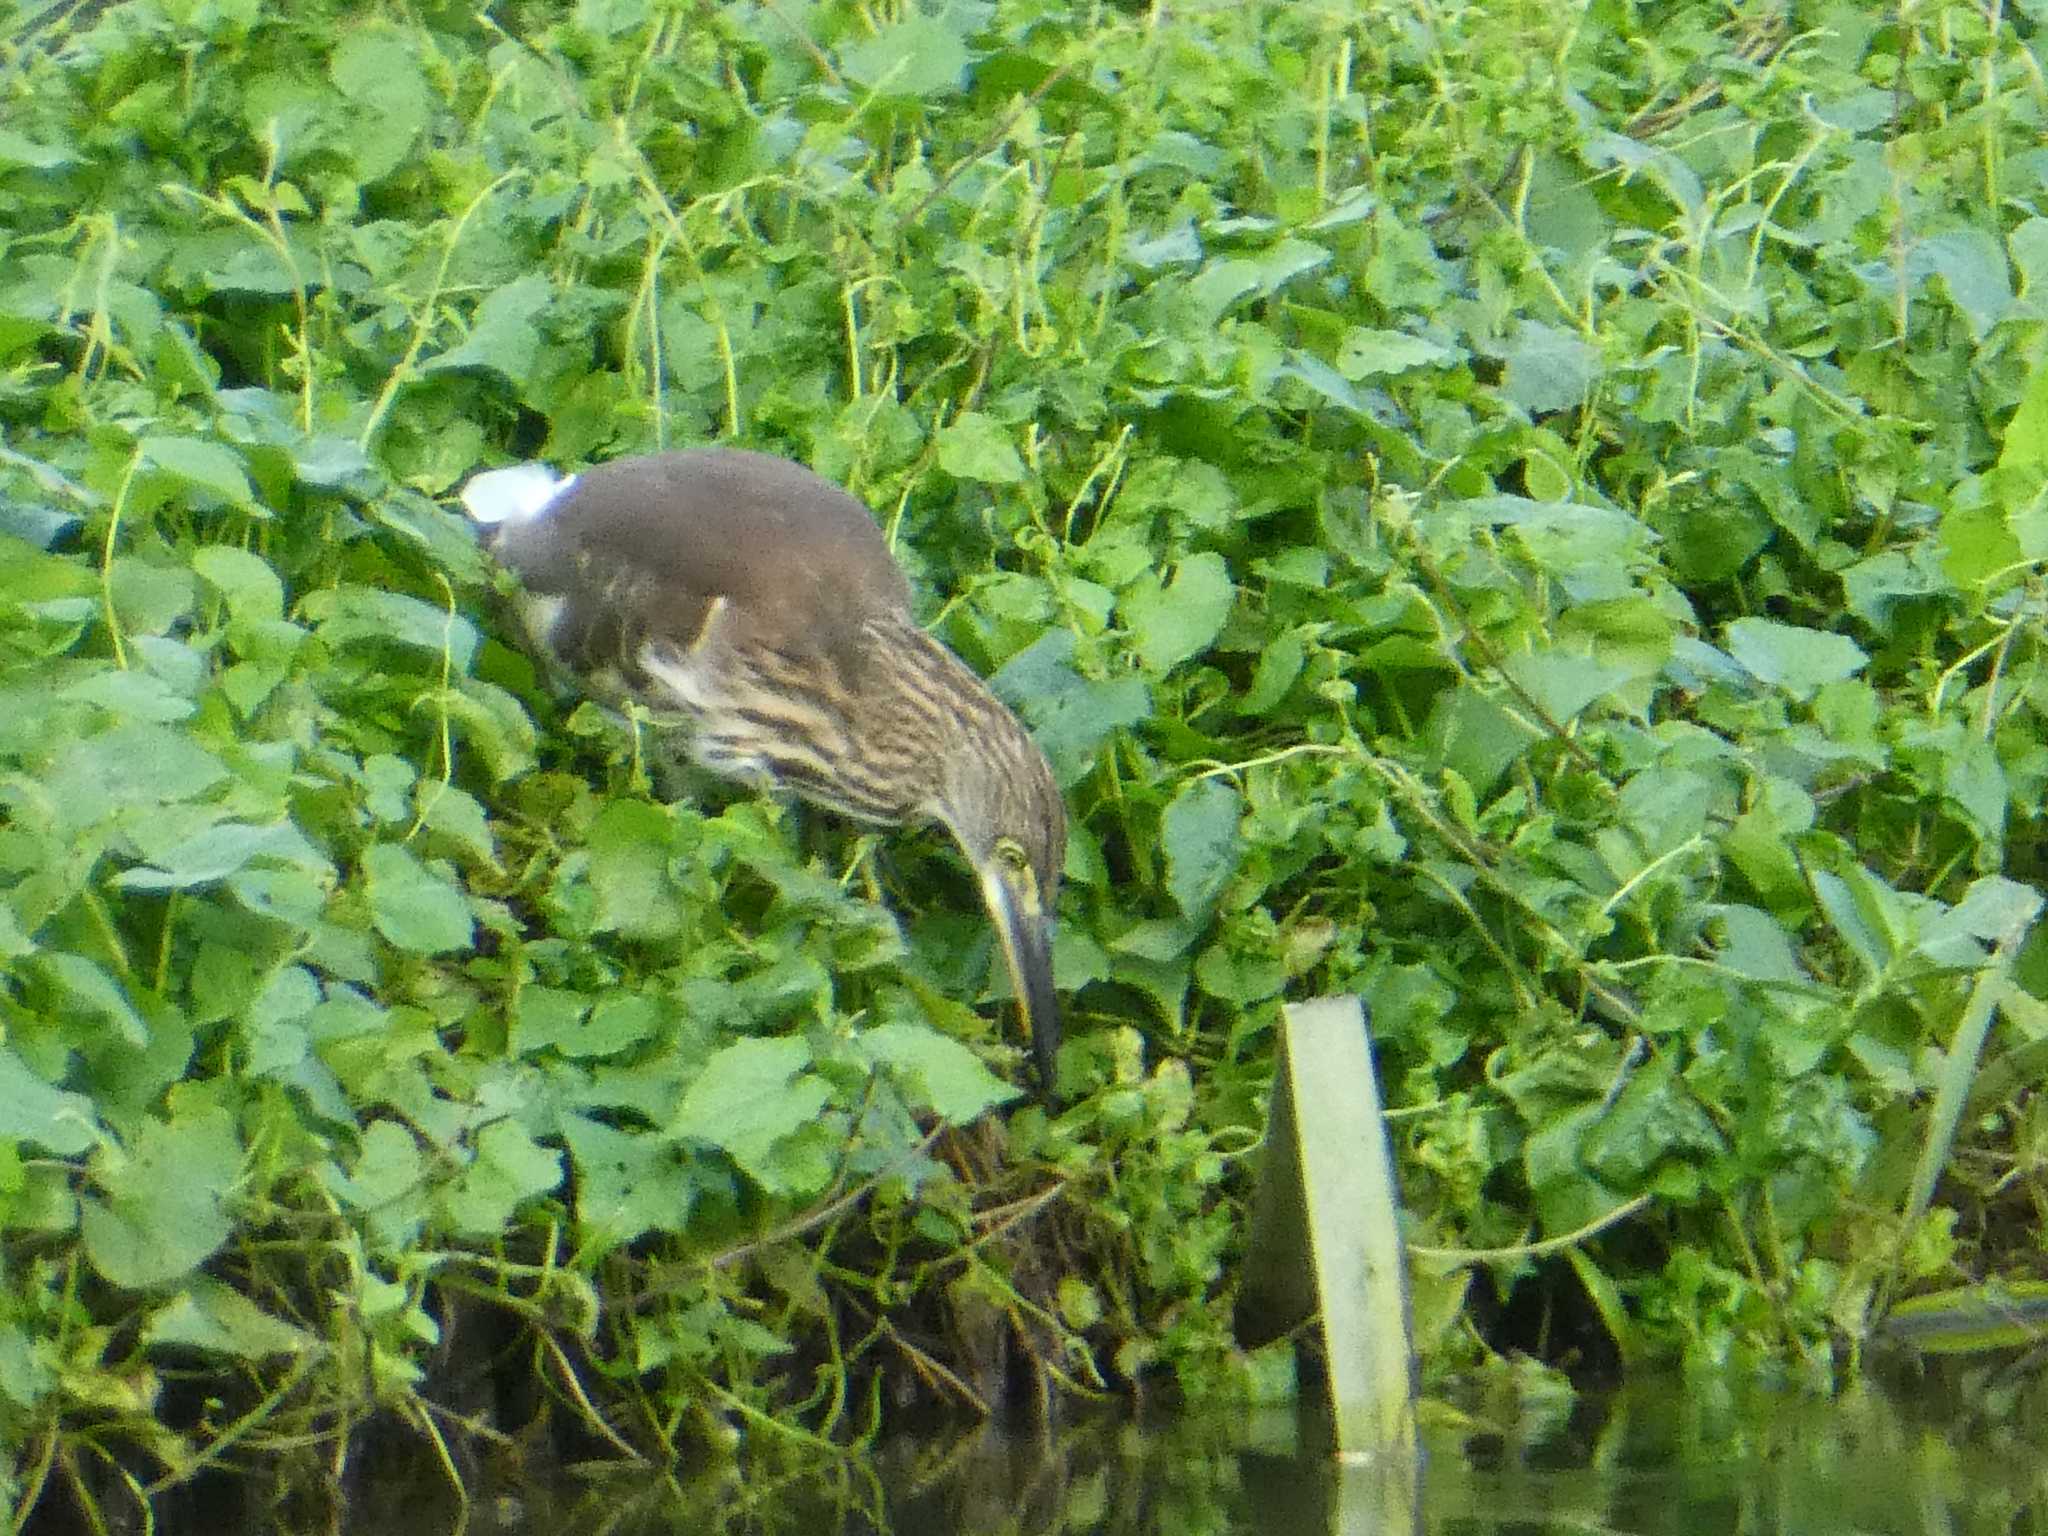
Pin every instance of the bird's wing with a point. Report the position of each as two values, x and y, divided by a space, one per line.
638 551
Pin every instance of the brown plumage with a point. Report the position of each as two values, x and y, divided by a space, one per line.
761 603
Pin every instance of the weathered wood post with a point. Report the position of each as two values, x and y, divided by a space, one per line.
1325 1239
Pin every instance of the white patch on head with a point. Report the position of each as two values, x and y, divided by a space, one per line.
513 495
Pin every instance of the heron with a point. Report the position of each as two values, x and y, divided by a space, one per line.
760 603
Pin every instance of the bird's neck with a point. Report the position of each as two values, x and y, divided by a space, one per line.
944 715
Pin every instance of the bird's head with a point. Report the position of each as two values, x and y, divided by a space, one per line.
1001 804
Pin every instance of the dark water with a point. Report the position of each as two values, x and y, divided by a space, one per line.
1937 1457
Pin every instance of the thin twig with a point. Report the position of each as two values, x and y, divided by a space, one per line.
1536 1250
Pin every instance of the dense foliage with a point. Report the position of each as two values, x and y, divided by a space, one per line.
1530 513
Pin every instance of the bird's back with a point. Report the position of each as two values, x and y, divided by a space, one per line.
641 550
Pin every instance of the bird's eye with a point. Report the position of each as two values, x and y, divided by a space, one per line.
1011 852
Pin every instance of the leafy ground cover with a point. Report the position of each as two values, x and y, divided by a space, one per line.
1529 513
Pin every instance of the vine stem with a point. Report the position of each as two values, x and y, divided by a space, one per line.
423 324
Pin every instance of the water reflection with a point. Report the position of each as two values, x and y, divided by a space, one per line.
1682 1459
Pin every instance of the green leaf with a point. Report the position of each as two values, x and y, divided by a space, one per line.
14 940
387 1183
545 1017
181 366
919 57
151 596
274 1022
751 1095
975 447
1070 715
35 525
246 582
1655 1116
329 463
1286 259
1475 738
2026 435
355 615
503 338
1971 267
1178 244
2028 244
162 1204
29 1365
1350 207
619 1020
627 1182
945 1076
220 1320
1326 381
1080 1303
129 766
1607 1302
569 1022
1366 353
455 815
1172 623
1280 664
1756 944
192 463
286 895
493 723
413 907
509 1169
33 1110
133 696
1548 369
1201 837
1569 539
84 989
1563 683
1793 658
1993 910
1220 284
208 857
1974 783
1762 842
1874 589
26 154
379 72
388 782
258 270
1858 922
630 845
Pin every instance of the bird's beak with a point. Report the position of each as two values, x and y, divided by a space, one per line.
1025 929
